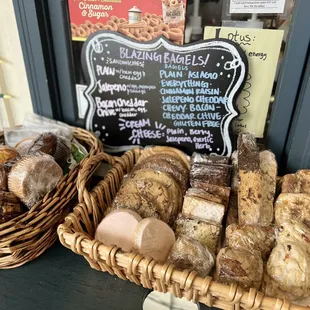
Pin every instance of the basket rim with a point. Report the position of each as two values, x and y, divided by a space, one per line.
110 258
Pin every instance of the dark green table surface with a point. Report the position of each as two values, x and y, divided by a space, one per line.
62 280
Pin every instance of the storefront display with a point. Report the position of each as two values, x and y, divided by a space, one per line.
194 201
152 198
38 175
139 20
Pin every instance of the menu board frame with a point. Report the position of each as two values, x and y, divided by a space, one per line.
233 77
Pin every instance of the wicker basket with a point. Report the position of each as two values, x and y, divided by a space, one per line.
77 232
27 236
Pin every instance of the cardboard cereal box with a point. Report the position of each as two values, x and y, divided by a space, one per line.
141 20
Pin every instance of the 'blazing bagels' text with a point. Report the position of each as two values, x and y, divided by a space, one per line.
167 57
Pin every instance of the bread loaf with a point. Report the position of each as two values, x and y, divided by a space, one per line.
251 237
249 190
118 228
206 233
290 206
154 238
190 254
205 210
32 177
269 171
235 265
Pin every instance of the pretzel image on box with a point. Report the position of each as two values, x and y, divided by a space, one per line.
135 21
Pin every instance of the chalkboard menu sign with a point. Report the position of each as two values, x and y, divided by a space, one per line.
158 93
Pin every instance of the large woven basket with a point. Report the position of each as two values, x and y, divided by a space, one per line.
27 236
77 234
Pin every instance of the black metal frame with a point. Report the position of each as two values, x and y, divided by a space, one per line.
45 39
33 27
290 80
297 151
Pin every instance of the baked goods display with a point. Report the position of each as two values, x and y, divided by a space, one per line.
157 190
225 215
33 167
154 188
205 203
151 26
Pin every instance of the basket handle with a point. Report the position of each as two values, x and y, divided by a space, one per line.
87 169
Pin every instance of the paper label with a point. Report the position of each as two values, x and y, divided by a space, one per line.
262 48
257 6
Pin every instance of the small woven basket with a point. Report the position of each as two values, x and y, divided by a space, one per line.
27 236
77 234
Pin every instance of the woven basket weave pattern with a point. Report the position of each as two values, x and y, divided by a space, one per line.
27 236
77 232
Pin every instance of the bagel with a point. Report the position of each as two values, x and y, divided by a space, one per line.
100 26
89 24
146 35
112 24
154 22
175 34
81 32
114 19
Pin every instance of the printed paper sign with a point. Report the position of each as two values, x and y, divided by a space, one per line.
257 6
158 93
262 48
